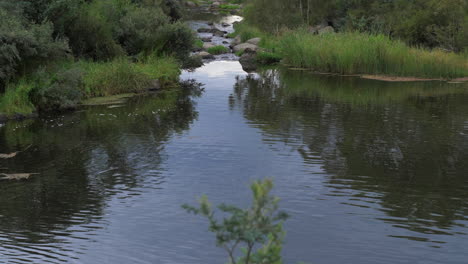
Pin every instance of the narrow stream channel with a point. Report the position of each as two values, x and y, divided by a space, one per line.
371 172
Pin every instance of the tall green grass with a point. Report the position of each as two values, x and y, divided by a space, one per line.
122 76
16 99
114 77
216 50
358 53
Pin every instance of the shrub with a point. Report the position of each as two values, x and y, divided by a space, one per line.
220 49
177 40
141 29
192 62
259 224
23 47
91 31
60 91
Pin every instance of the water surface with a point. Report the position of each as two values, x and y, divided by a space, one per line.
371 172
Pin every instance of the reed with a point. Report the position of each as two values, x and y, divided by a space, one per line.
359 53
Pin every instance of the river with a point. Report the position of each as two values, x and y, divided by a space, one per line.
370 172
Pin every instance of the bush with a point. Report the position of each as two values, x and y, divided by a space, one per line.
220 49
259 224
148 30
91 31
62 90
141 29
23 47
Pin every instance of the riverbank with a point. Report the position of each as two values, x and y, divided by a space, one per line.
355 54
68 88
92 49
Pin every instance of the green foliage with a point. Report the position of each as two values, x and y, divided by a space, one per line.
228 7
122 76
430 23
198 43
260 224
351 53
24 46
272 15
220 49
60 91
265 57
246 31
16 99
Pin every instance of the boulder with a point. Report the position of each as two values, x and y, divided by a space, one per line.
254 41
207 45
195 49
190 4
326 30
219 34
321 28
206 39
210 23
154 85
244 46
205 55
215 4
248 60
224 24
236 41
225 42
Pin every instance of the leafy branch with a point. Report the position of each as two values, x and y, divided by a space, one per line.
257 232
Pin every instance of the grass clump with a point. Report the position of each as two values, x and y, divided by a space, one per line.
198 43
356 53
266 57
216 50
16 99
122 76
228 7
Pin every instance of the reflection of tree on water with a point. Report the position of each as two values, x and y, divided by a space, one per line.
402 145
84 159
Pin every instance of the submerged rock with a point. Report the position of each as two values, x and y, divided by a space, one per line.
224 24
205 55
248 60
204 30
206 39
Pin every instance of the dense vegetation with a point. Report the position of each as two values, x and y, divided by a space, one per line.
405 38
55 52
430 23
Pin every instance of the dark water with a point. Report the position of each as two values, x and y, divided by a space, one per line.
371 172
